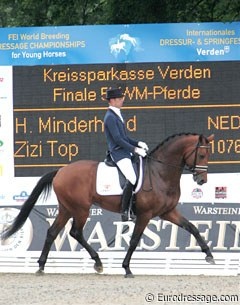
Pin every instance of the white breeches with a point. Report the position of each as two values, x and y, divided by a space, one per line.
126 168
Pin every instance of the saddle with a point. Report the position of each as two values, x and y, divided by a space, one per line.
110 180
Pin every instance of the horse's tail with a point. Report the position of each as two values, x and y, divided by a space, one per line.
44 185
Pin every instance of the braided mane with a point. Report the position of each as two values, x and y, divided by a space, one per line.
171 137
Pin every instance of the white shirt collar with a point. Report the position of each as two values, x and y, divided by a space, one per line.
117 111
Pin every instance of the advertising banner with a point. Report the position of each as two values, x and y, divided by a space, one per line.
213 208
177 78
6 123
179 42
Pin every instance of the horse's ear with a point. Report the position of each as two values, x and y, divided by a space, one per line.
211 137
201 137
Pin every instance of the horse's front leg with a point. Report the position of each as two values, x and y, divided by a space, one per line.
175 217
140 225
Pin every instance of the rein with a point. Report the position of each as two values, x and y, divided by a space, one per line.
186 167
192 169
149 157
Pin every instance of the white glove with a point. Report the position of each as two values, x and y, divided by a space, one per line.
140 151
143 145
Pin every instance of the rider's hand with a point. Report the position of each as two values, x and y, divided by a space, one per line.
143 145
140 151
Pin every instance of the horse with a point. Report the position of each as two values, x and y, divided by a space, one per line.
127 37
117 47
75 189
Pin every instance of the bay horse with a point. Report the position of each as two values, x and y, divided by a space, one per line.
75 188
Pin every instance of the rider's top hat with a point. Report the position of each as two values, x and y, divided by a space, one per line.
114 93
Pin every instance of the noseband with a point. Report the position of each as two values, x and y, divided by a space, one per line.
194 168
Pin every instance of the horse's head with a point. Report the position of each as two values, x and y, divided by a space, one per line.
197 159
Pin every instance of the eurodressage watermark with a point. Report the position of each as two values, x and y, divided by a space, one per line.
182 298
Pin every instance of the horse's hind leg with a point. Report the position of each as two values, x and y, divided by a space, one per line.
175 217
77 233
60 221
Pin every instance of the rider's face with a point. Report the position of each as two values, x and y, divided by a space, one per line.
117 102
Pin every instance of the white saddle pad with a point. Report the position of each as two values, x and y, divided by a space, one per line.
107 182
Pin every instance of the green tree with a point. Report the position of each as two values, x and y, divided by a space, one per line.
160 11
211 10
82 12
50 12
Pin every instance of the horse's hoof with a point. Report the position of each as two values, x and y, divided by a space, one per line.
39 272
210 260
129 276
99 269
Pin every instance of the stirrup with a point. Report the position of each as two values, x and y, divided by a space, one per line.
128 216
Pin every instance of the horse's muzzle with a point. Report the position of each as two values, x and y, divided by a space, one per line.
200 178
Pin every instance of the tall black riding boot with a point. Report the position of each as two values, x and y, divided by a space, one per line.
126 200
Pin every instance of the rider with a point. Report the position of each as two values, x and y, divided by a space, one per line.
121 146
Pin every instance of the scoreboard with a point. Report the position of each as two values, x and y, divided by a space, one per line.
59 109
176 78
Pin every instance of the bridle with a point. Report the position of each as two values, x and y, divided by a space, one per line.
195 169
191 168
